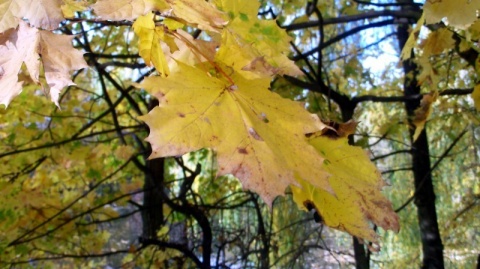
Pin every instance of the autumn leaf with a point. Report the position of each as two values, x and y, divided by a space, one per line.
118 10
200 13
423 112
9 12
258 136
412 39
19 47
45 14
59 58
25 45
251 44
69 7
149 46
459 13
356 184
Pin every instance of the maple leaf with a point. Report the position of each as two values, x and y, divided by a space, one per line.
437 42
45 14
356 184
20 46
9 12
118 10
59 58
188 50
200 13
459 13
251 44
69 7
25 46
258 136
149 46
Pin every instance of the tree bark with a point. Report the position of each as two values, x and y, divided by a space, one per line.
424 192
152 213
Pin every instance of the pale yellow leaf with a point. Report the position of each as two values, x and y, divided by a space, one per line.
118 10
69 7
20 47
59 58
200 13
188 50
10 12
46 14
258 136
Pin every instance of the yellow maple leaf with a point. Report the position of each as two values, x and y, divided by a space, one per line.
149 47
356 184
264 45
258 136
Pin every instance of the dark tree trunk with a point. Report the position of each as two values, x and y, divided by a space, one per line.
152 213
424 193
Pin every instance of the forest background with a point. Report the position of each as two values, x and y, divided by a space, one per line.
77 188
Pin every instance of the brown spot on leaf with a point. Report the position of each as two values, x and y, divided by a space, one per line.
181 115
242 151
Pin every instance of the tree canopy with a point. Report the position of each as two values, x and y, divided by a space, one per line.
239 134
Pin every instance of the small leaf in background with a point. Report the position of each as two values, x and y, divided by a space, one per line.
423 112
